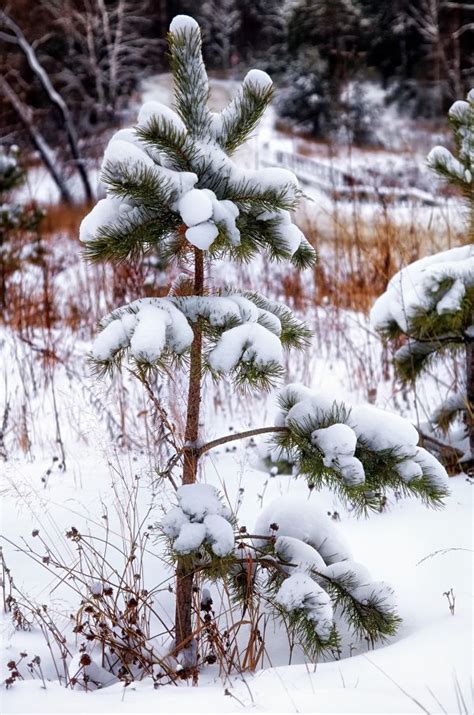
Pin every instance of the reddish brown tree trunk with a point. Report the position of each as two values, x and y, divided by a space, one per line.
184 578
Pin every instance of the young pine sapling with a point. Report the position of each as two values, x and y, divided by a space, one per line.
174 190
430 303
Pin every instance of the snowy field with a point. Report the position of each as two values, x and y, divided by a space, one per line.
78 450
422 553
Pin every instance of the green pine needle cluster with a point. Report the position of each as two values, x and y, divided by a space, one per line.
380 466
372 617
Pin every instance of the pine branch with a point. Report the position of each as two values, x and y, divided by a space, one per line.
242 115
446 413
294 333
141 185
380 466
238 436
249 196
129 237
162 135
191 82
305 257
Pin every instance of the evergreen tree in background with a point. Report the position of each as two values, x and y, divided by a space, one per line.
220 24
431 302
324 49
16 220
173 190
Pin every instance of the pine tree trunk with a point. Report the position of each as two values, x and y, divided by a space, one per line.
470 392
184 578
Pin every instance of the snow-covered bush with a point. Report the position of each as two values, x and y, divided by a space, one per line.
431 302
295 565
305 102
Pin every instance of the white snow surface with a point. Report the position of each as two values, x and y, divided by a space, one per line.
302 520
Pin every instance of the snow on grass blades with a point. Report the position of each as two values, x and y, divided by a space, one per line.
361 452
171 179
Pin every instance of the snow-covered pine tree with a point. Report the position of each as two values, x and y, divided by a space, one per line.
431 301
174 190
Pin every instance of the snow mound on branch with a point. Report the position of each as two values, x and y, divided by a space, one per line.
259 79
157 110
301 592
195 207
381 429
125 149
250 342
338 444
352 426
301 519
298 555
357 573
440 157
436 282
148 326
199 518
203 235
106 211
183 24
430 465
290 235
127 153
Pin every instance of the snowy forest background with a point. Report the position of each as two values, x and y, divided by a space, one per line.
362 92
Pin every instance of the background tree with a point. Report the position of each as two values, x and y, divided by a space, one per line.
431 302
73 77
174 190
220 36
16 221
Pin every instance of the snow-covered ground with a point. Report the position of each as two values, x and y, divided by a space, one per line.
421 553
